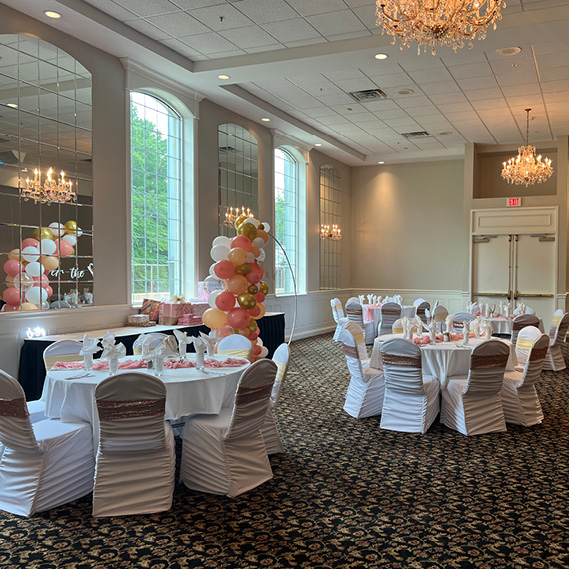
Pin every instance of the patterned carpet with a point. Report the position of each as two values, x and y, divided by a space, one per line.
346 494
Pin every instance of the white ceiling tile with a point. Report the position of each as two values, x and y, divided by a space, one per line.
335 99
529 89
350 85
148 29
208 43
334 120
498 105
112 9
410 101
461 116
301 43
265 11
309 7
348 36
410 61
371 66
523 78
475 83
465 56
430 75
221 17
193 4
554 86
292 30
558 97
381 105
338 75
549 60
517 64
354 109
178 24
441 87
480 94
391 114
555 74
333 23
443 98
366 14
262 48
251 36
403 125
471 70
148 7
181 47
427 110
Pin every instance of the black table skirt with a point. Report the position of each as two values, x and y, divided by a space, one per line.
31 372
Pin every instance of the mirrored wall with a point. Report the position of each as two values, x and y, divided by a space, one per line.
238 174
330 217
46 247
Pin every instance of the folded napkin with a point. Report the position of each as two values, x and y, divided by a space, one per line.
210 342
90 346
183 342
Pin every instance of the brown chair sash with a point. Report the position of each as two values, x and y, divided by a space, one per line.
351 351
389 312
110 410
354 311
250 394
521 325
399 360
14 408
482 362
458 324
538 354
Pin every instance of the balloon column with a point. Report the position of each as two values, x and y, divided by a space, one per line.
235 286
27 268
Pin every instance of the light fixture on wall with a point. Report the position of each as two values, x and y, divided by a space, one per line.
330 232
233 213
526 168
450 23
51 191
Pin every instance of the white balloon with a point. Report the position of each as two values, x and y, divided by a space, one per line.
34 269
212 283
47 246
79 232
219 253
250 257
212 296
58 229
264 352
259 341
212 271
71 239
261 256
222 240
266 226
30 254
36 295
258 242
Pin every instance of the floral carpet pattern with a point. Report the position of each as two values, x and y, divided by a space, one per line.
345 494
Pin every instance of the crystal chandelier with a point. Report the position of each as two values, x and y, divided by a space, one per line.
526 168
334 233
233 213
51 191
448 23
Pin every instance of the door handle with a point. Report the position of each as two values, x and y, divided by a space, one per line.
516 294
491 294
522 295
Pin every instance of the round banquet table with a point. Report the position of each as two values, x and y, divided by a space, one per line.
503 324
69 395
373 312
444 359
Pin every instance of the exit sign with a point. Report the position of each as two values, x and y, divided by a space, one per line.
514 202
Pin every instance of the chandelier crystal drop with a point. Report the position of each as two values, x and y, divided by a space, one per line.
51 191
527 168
431 23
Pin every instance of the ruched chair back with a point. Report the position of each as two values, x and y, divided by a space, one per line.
339 317
520 322
554 359
62 351
458 320
354 312
390 312
440 314
534 363
236 346
421 308
527 337
352 338
556 318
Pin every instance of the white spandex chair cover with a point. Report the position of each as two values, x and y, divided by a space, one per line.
440 314
459 318
390 312
474 308
527 337
136 458
354 312
364 397
339 318
529 310
419 301
411 401
157 338
554 359
472 405
62 351
236 346
557 316
269 429
225 453
520 322
398 327
519 396
421 310
43 465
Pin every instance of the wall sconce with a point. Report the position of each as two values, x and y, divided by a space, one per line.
232 214
333 232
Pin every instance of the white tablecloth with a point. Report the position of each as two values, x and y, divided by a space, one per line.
443 360
504 325
188 391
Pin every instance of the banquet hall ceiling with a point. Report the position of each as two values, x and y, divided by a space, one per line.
296 61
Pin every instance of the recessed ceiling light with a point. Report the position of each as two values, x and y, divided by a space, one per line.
317 144
508 51
404 92
52 14
12 105
381 56
381 162
445 133
223 76
265 119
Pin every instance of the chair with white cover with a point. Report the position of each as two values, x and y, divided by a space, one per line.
472 404
527 337
520 401
226 453
364 397
557 315
420 310
157 338
338 314
390 312
398 327
45 464
269 429
530 310
355 314
411 401
236 346
136 455
459 318
440 314
554 359
520 322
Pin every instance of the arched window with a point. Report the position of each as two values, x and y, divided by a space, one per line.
156 198
290 220
330 219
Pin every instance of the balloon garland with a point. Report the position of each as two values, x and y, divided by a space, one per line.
26 269
235 286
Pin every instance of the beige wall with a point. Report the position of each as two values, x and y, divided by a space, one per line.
405 223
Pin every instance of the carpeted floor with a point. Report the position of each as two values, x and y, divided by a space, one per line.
345 494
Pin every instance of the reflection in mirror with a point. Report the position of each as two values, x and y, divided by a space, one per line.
330 215
238 174
46 240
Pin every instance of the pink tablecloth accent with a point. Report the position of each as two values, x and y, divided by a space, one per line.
99 365
229 362
458 336
425 339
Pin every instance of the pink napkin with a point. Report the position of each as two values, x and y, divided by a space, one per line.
426 340
101 365
459 336
229 362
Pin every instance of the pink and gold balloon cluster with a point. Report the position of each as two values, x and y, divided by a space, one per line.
235 285
26 269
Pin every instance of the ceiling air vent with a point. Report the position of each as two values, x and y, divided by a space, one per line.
418 134
368 95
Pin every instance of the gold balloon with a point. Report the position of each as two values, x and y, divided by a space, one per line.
263 235
261 226
246 300
237 284
71 226
214 318
50 263
42 233
14 254
253 289
247 229
237 256
243 269
252 325
262 313
264 287
240 220
26 306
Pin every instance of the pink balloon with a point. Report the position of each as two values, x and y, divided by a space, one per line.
241 241
12 296
12 267
238 318
30 242
257 350
253 335
253 277
225 301
10 308
260 296
44 279
63 248
224 269
49 291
